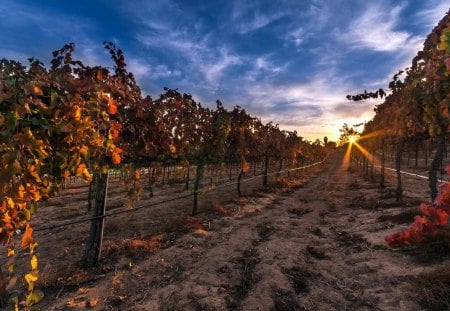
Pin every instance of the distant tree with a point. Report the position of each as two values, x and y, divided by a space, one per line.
346 133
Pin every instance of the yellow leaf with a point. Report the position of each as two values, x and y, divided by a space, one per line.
31 277
84 151
11 252
33 247
104 169
77 113
34 263
87 176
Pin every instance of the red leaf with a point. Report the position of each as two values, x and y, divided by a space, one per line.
441 217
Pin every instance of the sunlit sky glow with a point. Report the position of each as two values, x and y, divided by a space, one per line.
291 62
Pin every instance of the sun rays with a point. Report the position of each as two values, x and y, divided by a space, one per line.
353 141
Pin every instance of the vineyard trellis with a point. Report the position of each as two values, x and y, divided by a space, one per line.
415 114
77 120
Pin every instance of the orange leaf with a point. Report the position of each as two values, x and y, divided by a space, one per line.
114 133
76 113
27 238
245 166
100 74
112 106
66 174
37 90
116 158
21 191
80 169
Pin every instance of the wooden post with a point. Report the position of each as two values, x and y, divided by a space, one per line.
435 166
383 151
398 161
266 168
198 179
241 174
95 240
186 184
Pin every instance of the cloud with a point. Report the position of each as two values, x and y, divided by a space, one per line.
258 21
432 15
248 17
377 30
353 109
296 36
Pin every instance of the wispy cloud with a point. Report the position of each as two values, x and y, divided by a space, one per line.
248 16
377 30
431 16
143 70
296 36
214 69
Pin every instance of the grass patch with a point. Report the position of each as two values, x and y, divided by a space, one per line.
284 300
185 224
216 208
432 289
250 258
299 278
299 211
265 230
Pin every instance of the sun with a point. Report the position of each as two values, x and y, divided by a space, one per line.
352 139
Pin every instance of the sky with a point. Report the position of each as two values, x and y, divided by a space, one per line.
287 61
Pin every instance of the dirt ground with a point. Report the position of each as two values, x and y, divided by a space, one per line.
313 242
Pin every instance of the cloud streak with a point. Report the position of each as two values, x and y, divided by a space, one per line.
377 30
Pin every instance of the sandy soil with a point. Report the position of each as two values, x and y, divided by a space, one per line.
313 242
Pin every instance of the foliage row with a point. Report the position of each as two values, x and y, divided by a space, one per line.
416 109
76 120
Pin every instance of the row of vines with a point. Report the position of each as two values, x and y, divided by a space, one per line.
76 120
415 114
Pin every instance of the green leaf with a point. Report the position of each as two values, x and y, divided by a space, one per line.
25 214
33 208
13 302
34 297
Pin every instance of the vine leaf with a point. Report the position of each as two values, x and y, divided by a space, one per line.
27 238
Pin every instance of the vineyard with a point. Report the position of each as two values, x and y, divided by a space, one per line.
113 200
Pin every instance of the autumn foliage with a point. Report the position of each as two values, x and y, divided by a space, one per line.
76 120
427 224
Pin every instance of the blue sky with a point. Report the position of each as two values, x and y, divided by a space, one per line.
291 62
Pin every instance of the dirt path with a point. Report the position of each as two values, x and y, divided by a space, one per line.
306 247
